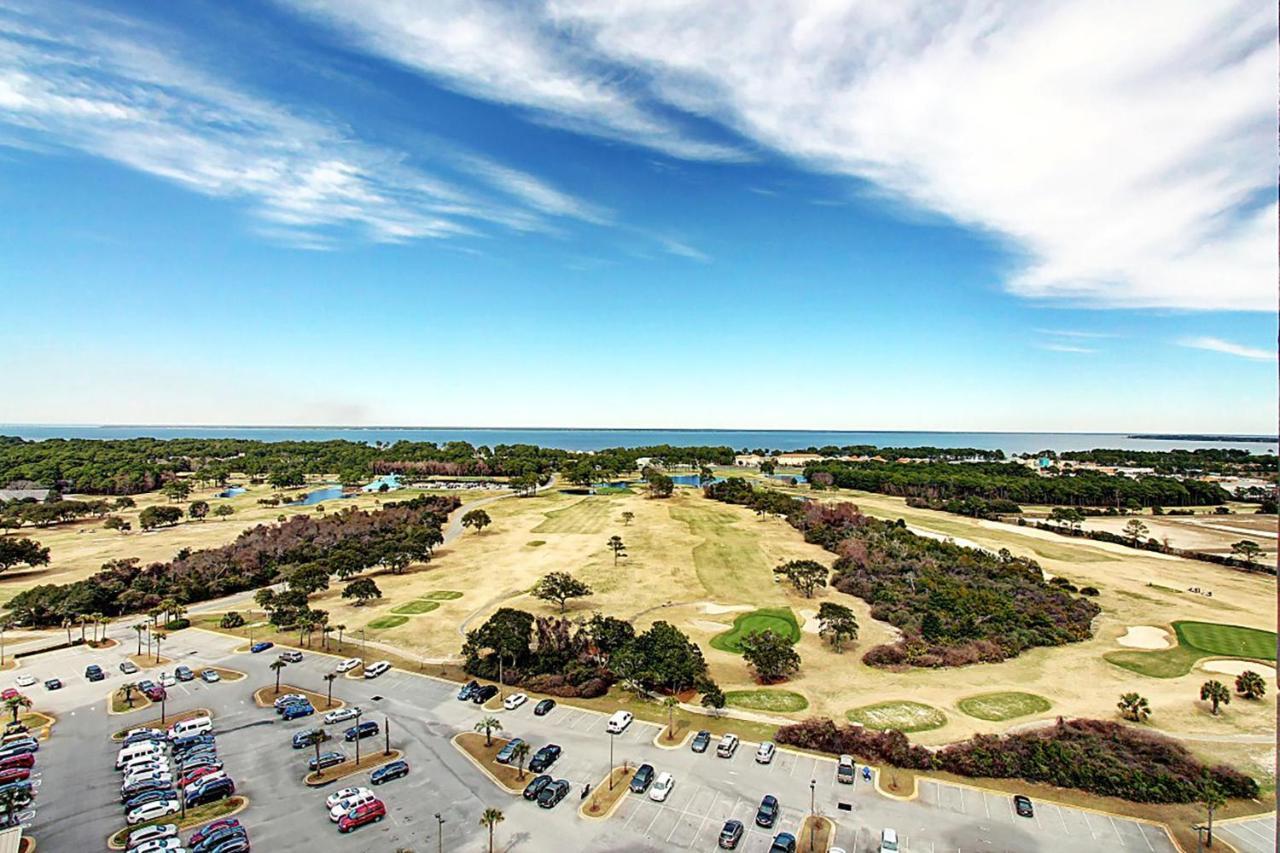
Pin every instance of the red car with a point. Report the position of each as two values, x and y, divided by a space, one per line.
370 812
27 759
8 693
197 773
217 826
155 692
14 774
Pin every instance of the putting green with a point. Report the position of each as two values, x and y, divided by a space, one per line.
781 701
1197 640
413 608
442 595
779 620
997 707
384 622
902 715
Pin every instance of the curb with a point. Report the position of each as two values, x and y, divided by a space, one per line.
47 728
244 804
454 740
111 712
657 740
395 755
582 813
902 798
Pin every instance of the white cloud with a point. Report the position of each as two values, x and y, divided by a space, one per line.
1074 333
1229 348
1120 149
1052 347
535 192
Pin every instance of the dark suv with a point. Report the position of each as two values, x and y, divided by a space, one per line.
93 672
484 694
544 758
767 814
553 793
701 741
364 730
643 779
535 787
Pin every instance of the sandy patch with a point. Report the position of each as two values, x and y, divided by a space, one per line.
707 625
1145 637
810 625
945 537
710 607
1235 667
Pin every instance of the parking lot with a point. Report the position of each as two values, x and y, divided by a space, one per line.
424 714
1252 835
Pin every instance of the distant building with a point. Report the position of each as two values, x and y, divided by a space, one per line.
796 460
23 494
748 460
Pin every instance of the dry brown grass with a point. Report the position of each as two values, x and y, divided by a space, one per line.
604 797
265 697
815 835
508 776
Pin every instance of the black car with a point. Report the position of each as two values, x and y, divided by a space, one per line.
468 690
544 707
553 793
643 778
701 741
184 673
327 759
1023 806
731 834
93 672
544 758
364 730
53 684
783 842
387 772
484 694
768 811
236 844
219 838
216 790
139 788
535 787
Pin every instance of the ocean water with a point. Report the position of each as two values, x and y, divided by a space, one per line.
596 439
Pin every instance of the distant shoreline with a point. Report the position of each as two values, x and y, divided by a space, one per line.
1179 436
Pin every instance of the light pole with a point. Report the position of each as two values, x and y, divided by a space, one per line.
813 822
611 737
386 729
439 833
357 728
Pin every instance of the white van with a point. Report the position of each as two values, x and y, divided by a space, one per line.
193 726
618 722
137 750
888 841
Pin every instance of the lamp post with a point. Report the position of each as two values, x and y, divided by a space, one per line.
611 737
386 730
357 727
439 833
813 823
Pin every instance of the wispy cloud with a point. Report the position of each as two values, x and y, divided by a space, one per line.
1074 333
1052 347
681 249
536 192
1219 345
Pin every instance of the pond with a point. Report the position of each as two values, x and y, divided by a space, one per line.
391 481
329 493
231 492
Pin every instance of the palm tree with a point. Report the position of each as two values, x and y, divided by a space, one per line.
159 636
1215 693
1134 707
276 666
520 753
339 629
331 677
67 622
15 704
491 818
139 628
325 631
670 704
127 689
5 625
489 725
1211 797
100 624
1249 684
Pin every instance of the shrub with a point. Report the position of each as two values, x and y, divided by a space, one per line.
233 619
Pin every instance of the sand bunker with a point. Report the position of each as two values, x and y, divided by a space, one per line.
943 537
715 609
1235 667
810 618
706 625
1145 637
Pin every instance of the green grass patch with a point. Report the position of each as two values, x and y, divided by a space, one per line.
442 595
779 620
728 560
384 622
902 715
589 515
413 608
781 701
536 543
1227 640
1166 663
998 707
613 490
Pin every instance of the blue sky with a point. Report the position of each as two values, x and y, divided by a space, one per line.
357 212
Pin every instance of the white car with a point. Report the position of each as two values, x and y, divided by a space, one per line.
515 701
338 796
151 833
341 715
162 776
154 734
192 787
26 681
152 810
167 680
374 670
662 787
344 806
349 664
160 845
145 763
288 698
764 755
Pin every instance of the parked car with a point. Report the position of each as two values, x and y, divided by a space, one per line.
618 722
146 733
467 689
374 670
889 841
370 812
195 774
211 792
344 794
203 759
508 752
701 741
128 667
281 701
309 737
345 805
764 754
544 757
662 786
297 709
235 845
204 832
144 834
128 794
210 676
553 793
27 759
327 759
161 845
184 673
515 700
93 672
341 715
27 680
535 787
291 656
484 694
846 770
643 779
387 772
152 810
53 684
9 693
14 774
223 841
152 691
349 664
730 834
1023 806
783 842
262 646
544 707
728 745
767 814
361 731
167 680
